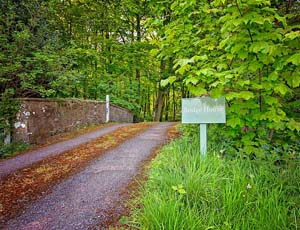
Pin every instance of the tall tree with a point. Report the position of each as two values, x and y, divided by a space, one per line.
247 51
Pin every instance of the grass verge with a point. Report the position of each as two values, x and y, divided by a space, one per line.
24 186
188 191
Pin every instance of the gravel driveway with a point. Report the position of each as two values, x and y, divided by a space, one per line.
84 200
8 166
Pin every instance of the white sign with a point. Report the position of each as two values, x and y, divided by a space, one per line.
203 110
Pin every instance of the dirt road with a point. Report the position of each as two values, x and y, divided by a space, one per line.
8 166
88 199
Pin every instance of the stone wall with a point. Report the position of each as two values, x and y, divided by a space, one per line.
39 119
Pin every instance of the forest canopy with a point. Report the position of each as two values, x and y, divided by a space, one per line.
148 54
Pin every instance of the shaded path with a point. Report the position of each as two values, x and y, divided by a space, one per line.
11 165
82 201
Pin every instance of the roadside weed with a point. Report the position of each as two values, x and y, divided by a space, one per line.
188 191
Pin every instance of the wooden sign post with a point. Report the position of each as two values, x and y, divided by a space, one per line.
203 111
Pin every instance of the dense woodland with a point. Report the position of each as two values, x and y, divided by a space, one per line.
148 54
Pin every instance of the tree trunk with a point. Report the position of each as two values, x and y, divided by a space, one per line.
159 105
161 95
70 20
174 103
138 78
137 71
167 105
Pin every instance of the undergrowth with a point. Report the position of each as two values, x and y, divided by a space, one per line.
188 191
15 147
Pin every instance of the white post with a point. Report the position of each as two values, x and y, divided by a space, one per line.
107 109
203 139
7 139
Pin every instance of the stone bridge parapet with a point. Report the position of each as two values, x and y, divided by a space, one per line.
39 119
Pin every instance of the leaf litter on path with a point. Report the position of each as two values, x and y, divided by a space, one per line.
24 186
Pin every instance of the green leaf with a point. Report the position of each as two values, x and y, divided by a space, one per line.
231 95
174 187
243 95
282 89
206 72
169 80
277 126
172 79
242 54
294 125
183 62
246 95
281 19
179 188
273 115
216 92
266 59
243 82
255 66
237 48
154 52
233 122
125 220
197 90
200 58
181 191
192 79
273 76
294 81
216 83
279 64
164 82
294 59
258 46
271 100
183 69
292 35
222 66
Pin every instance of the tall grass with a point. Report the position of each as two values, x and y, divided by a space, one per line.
188 191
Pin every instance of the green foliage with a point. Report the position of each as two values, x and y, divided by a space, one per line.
129 104
78 49
152 53
31 55
247 51
9 150
187 191
8 110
